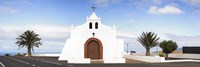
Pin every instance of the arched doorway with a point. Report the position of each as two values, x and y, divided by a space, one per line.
93 49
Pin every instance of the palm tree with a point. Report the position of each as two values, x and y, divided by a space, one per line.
29 39
168 47
148 40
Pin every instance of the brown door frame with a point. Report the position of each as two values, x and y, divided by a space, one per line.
86 47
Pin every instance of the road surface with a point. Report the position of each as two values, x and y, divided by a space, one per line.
12 61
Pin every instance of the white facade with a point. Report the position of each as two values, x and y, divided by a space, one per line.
74 48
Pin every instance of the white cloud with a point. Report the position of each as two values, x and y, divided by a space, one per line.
143 3
197 11
106 2
165 10
52 36
185 40
101 1
133 44
48 32
26 2
157 1
116 1
51 31
7 9
193 2
125 34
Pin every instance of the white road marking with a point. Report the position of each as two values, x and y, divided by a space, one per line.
69 65
2 64
33 65
18 60
51 62
44 61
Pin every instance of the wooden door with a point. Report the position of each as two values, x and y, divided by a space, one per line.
93 50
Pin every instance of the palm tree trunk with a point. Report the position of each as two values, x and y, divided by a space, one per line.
29 50
166 56
147 52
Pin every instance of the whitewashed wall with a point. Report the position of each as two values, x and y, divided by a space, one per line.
150 59
192 56
74 46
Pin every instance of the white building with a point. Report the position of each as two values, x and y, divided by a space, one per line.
93 41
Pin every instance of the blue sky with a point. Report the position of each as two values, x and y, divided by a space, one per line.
177 20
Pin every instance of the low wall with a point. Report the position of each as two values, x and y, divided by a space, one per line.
185 60
150 59
191 56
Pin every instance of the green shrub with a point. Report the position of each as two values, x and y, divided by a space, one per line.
18 54
7 55
161 54
24 54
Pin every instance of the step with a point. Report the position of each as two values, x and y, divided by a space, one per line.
98 61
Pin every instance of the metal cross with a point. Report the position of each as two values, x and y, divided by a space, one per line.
93 7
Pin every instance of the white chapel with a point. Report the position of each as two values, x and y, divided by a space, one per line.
93 41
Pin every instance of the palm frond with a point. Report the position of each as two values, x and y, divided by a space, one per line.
28 39
148 39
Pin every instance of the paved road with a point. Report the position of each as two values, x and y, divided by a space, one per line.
34 62
25 62
181 64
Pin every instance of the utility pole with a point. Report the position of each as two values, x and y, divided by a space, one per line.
127 48
157 52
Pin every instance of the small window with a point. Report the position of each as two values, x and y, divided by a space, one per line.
90 25
96 25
